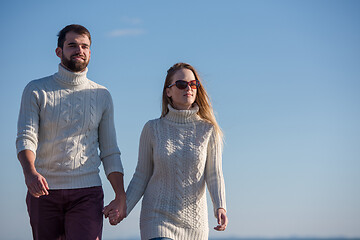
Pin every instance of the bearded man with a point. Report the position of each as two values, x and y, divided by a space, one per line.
64 120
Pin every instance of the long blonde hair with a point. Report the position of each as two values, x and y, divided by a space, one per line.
202 99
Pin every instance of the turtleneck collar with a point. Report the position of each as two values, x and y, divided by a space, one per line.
182 116
71 78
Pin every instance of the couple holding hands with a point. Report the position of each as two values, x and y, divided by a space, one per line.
66 130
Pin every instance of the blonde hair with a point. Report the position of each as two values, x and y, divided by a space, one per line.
202 99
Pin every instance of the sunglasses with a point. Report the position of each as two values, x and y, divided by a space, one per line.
181 84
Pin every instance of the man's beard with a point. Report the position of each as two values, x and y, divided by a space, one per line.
74 66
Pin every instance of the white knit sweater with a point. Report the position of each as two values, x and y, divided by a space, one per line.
64 119
178 154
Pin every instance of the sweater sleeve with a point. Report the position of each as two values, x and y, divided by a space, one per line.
28 121
109 151
214 174
144 169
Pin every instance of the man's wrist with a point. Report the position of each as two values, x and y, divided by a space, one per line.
30 171
120 195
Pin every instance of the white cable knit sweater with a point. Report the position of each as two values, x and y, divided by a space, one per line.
64 119
178 154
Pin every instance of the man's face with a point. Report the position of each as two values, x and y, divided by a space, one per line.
75 54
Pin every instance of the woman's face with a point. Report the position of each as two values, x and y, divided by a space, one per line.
182 99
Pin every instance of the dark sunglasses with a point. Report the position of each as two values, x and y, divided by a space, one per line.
181 84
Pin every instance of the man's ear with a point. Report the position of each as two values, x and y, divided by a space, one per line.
58 52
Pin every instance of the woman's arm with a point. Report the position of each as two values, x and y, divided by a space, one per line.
215 180
144 169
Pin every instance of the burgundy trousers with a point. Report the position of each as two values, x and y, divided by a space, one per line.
67 214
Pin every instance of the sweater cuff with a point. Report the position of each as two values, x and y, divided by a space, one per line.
222 205
112 163
22 145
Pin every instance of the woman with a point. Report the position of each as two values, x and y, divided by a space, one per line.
178 154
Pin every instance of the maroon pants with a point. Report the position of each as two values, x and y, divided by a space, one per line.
70 214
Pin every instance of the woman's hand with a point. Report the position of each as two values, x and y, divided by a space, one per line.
222 219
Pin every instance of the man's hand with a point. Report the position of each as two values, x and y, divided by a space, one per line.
116 210
36 184
34 181
222 220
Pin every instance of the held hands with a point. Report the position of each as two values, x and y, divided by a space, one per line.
221 219
36 184
116 210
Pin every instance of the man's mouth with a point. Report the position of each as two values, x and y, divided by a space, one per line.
78 57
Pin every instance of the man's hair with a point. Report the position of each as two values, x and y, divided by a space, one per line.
72 28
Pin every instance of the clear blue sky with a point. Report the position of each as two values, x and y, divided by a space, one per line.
284 78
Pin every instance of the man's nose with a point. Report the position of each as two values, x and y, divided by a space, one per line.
78 49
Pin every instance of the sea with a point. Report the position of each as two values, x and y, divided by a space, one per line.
274 238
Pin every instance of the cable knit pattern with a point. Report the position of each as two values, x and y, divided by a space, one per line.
64 119
178 154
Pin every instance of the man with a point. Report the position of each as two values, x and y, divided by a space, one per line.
64 119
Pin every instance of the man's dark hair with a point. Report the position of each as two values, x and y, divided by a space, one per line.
72 28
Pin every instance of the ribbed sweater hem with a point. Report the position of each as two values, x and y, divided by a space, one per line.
65 181
175 233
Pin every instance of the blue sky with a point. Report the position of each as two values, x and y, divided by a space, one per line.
283 76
